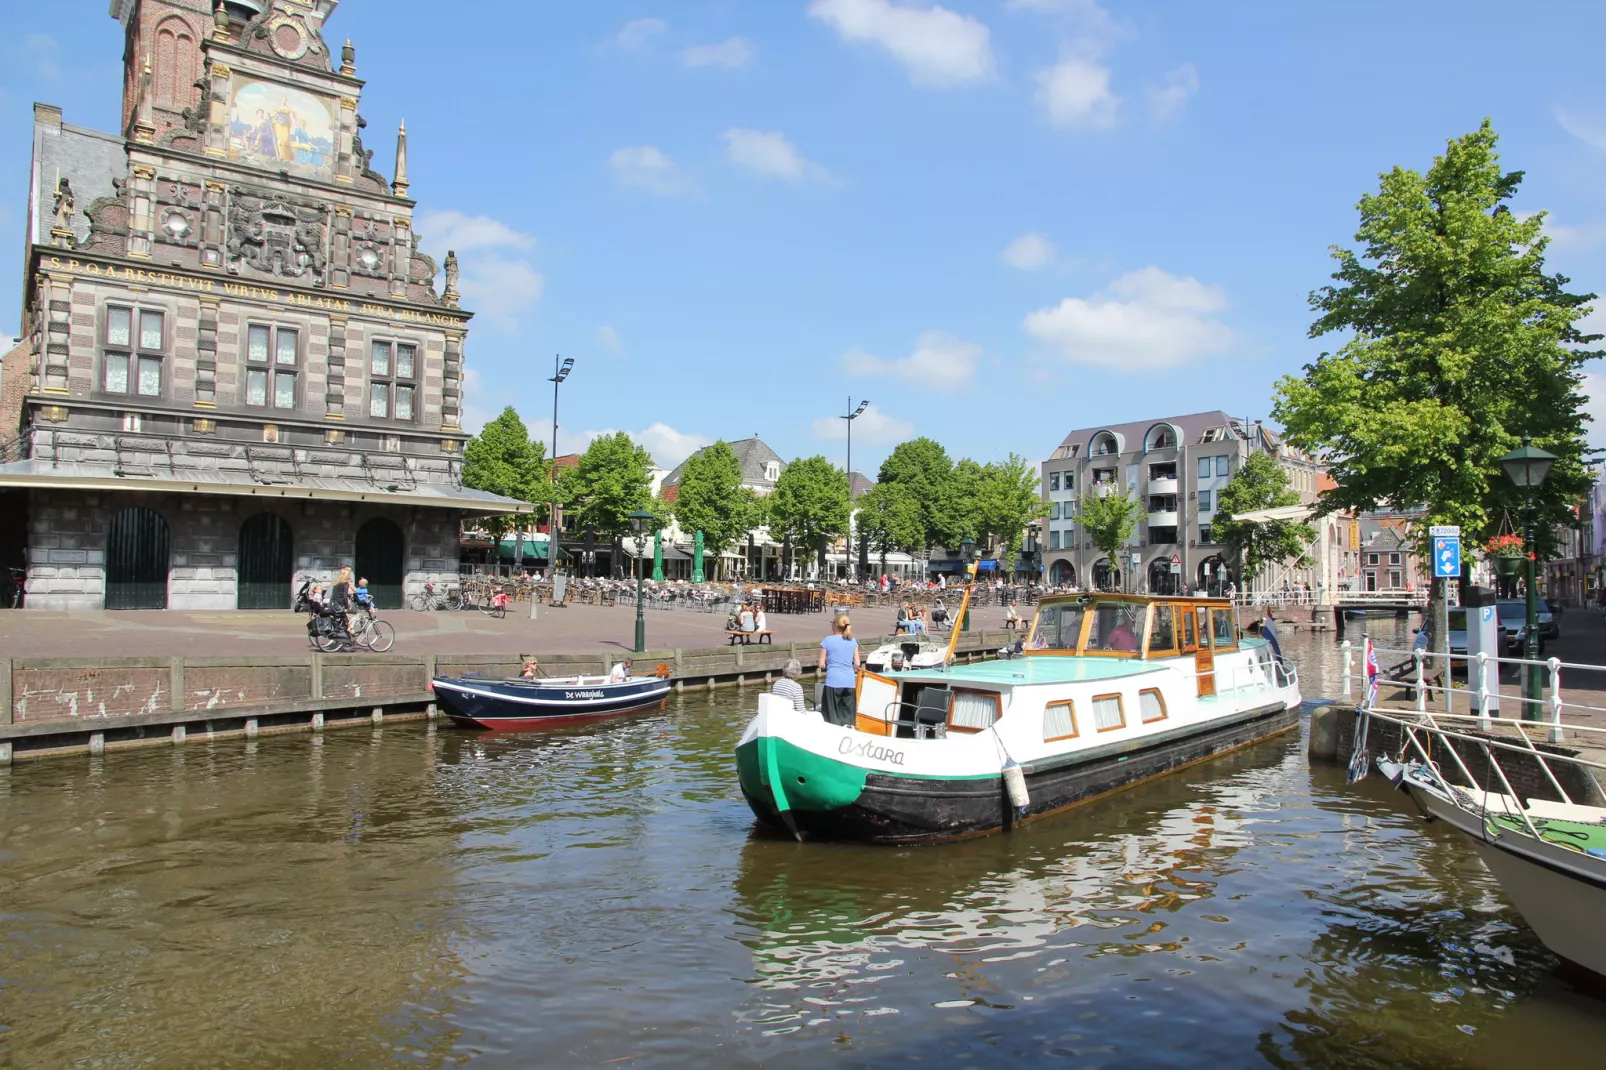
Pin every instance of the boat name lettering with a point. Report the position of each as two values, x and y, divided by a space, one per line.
870 750
582 694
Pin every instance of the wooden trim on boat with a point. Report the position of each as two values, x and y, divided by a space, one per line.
864 722
1070 705
1120 704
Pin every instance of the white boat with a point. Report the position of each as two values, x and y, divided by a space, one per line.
1110 690
907 652
1548 854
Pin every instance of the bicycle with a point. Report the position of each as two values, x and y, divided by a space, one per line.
371 633
496 605
16 587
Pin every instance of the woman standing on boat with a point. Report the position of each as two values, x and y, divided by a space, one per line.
839 660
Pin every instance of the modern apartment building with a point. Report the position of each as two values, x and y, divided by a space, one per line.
1176 466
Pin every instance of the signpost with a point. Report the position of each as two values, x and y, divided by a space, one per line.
1446 539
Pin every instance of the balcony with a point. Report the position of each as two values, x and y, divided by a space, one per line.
1163 520
1164 485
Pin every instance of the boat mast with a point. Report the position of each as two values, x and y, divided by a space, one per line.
964 604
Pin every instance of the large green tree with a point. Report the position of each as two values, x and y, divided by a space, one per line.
890 518
921 467
810 500
612 481
712 500
1110 520
1008 499
503 459
1459 342
1261 483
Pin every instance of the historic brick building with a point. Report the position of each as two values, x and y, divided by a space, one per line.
237 368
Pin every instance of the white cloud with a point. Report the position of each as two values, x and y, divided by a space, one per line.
1167 99
1029 252
872 428
45 51
768 153
454 230
1088 15
1578 236
938 47
499 290
608 338
645 167
668 446
1144 320
1587 128
733 53
1076 91
940 362
639 35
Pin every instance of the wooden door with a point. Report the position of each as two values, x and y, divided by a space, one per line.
1204 659
266 563
136 560
380 562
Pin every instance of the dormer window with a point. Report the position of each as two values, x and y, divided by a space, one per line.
772 471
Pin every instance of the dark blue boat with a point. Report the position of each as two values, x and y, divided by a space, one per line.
522 704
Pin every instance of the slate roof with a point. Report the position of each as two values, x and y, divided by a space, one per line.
1190 430
88 159
754 457
858 483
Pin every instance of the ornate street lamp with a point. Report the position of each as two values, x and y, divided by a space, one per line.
967 554
641 522
1528 466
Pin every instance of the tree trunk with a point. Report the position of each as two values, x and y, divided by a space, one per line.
1439 638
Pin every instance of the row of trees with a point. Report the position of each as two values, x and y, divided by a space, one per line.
922 500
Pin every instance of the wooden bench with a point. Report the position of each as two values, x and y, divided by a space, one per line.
746 638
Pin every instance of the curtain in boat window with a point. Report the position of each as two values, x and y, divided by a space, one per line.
1152 707
1107 712
1059 721
972 709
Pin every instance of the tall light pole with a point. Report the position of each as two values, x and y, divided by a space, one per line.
560 372
850 417
1528 466
640 521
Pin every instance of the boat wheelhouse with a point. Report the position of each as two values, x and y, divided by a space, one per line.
1108 690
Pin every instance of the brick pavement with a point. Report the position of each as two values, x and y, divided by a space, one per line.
577 629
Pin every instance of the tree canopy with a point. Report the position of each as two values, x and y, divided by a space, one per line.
712 499
921 467
810 499
612 481
1261 483
503 459
1459 343
1110 520
1008 499
890 518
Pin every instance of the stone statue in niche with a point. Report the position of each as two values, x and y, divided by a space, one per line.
65 205
451 273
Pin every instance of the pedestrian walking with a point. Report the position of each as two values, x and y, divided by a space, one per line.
839 660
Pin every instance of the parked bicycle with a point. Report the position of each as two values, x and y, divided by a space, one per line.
434 597
16 587
496 604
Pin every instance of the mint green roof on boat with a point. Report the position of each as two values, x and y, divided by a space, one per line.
1050 669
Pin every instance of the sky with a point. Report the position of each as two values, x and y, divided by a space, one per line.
998 220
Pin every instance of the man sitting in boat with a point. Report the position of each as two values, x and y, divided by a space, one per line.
620 673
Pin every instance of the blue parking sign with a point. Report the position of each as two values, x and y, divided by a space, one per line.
1447 555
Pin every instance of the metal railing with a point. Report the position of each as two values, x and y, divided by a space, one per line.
1413 673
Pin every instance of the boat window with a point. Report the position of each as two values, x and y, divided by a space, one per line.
1107 713
1222 619
1116 627
1187 630
973 711
1059 721
1058 626
1151 705
1204 626
1163 633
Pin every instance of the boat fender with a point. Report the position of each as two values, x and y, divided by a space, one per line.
1015 784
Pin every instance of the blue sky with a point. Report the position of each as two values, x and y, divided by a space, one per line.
997 219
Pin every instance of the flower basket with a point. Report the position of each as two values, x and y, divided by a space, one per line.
1507 567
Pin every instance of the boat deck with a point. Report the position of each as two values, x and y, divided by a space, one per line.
1056 669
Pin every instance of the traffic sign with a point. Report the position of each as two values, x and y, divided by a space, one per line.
1176 559
1447 555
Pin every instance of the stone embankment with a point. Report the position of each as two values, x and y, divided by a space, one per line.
52 706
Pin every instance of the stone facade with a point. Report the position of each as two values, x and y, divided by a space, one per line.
226 301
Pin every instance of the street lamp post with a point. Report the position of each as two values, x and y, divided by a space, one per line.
1034 550
1527 466
554 550
640 521
850 417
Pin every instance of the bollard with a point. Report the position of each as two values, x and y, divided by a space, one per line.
317 722
1483 692
178 734
97 743
250 728
1345 647
1323 742
5 753
1556 734
377 716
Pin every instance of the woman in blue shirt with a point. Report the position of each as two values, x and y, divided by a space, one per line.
839 660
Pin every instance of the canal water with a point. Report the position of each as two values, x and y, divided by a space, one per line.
424 897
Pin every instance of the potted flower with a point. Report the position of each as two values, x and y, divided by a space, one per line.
1507 554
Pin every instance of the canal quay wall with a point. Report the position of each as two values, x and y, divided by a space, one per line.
58 706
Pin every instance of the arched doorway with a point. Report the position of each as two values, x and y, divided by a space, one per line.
136 560
1063 574
267 563
1212 576
1106 578
380 561
1161 579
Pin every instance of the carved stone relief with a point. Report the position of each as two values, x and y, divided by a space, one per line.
275 235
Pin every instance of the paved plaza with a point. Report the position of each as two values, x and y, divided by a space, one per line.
576 629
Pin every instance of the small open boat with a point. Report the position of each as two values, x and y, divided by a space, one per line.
1111 690
520 704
